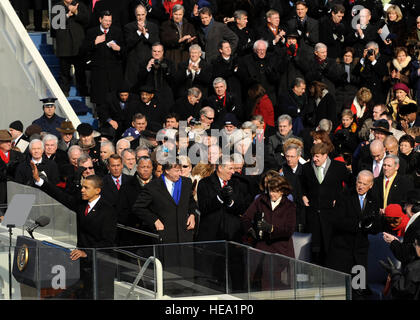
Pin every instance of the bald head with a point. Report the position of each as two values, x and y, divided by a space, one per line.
391 145
377 150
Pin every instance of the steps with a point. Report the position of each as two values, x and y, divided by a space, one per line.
47 52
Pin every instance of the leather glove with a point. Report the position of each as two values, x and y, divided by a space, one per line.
252 233
264 226
367 222
227 194
388 266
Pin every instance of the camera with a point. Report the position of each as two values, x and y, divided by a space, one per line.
156 62
370 52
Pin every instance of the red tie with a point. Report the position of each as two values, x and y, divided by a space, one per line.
118 184
386 184
87 210
105 32
224 183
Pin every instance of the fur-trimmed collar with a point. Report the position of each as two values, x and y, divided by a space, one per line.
402 65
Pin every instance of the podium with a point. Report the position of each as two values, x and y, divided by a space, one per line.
43 265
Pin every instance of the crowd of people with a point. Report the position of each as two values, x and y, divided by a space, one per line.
244 121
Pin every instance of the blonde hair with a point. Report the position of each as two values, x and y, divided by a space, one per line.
291 141
203 169
364 95
395 9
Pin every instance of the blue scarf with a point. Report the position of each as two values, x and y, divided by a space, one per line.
177 189
207 28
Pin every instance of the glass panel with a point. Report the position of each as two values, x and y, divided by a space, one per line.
62 226
260 274
283 275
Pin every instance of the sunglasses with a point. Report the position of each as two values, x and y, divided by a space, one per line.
90 168
209 118
185 166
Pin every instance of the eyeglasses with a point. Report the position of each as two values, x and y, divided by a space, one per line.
209 117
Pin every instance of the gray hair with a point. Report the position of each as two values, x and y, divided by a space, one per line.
239 14
219 80
83 158
393 157
366 173
109 144
194 91
128 151
33 142
325 124
73 148
258 117
319 46
284 117
50 137
178 7
122 140
372 44
260 41
142 147
249 125
296 147
194 47
205 110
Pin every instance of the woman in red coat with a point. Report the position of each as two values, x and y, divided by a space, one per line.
271 220
262 105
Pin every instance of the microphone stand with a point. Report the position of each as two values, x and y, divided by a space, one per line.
10 226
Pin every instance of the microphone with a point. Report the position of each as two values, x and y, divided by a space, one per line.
42 221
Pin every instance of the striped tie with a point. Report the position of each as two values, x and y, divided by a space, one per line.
117 182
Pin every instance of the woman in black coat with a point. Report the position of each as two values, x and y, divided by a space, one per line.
347 88
397 28
177 34
323 103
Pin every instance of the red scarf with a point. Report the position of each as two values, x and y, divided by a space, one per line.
289 52
5 158
169 6
224 99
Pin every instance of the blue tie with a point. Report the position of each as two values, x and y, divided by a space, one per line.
361 202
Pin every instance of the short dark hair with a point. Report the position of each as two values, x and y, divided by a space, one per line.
105 13
139 116
97 180
409 139
220 46
279 183
205 10
114 156
172 115
338 8
303 3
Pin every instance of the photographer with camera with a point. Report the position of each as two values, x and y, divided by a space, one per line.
160 74
371 69
355 215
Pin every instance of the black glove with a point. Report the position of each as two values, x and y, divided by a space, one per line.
367 222
252 233
227 194
388 266
264 226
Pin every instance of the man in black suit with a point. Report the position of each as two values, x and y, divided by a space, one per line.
139 36
47 168
332 31
96 228
365 32
222 102
52 153
68 42
306 27
272 31
292 170
104 48
115 188
211 32
113 115
392 186
151 107
322 183
246 35
356 214
196 72
119 10
222 198
167 205
189 105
